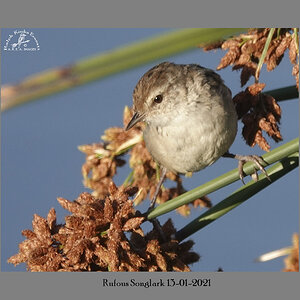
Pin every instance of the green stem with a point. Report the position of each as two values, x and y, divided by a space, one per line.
239 196
296 39
223 180
114 61
264 53
286 93
128 179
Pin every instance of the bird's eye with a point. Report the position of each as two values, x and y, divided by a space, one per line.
158 99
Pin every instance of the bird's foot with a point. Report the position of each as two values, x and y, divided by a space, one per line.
257 160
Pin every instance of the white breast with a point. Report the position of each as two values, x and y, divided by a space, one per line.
190 141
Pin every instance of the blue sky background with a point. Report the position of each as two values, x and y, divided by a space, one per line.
40 160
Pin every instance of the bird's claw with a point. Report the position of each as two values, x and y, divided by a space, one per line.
257 160
241 172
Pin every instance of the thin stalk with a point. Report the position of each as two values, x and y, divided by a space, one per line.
114 61
296 39
264 53
286 93
224 180
128 180
240 196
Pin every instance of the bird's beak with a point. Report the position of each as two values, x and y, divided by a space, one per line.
135 119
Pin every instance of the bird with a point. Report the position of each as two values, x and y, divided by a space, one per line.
190 117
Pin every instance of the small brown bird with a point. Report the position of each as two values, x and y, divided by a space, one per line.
190 118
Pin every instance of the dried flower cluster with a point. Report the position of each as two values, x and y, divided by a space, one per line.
101 235
245 50
102 161
292 261
259 112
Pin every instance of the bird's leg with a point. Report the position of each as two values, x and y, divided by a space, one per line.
162 178
245 158
154 221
